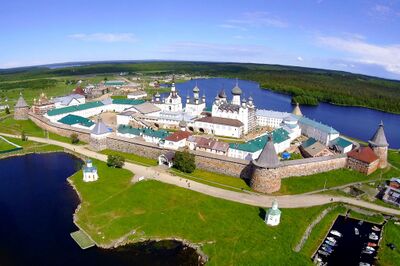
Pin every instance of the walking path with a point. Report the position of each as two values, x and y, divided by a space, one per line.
288 201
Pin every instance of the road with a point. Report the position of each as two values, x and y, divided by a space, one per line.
288 201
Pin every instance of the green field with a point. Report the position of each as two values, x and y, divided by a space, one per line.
214 179
230 233
340 177
5 146
133 158
30 147
391 234
394 158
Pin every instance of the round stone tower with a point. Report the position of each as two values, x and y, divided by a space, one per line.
265 173
379 145
21 109
98 136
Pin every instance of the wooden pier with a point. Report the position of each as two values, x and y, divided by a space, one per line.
82 239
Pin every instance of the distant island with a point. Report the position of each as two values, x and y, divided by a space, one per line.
306 85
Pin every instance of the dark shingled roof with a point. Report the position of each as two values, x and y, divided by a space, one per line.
379 138
229 107
268 157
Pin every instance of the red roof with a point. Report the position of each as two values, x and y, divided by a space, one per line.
79 90
364 154
179 135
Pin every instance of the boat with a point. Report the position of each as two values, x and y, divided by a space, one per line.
327 249
373 236
376 228
364 264
323 252
369 248
356 231
366 251
360 222
330 243
371 244
332 239
336 233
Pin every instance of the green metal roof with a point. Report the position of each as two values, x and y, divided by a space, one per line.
341 142
308 142
278 135
74 108
75 119
114 83
162 134
127 101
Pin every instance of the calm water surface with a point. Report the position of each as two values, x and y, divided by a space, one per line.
356 122
36 206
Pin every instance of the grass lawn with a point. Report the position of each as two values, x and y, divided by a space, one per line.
130 157
5 146
214 179
12 126
339 177
394 158
230 233
31 147
386 256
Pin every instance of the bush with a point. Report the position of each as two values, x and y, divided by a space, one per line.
74 138
184 161
24 137
7 110
116 161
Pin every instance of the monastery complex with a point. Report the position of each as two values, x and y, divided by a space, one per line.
231 134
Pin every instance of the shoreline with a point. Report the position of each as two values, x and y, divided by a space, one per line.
336 104
123 240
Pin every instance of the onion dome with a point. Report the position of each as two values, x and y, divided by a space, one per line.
196 89
236 90
268 157
157 95
244 100
187 97
204 96
222 94
379 138
182 123
250 99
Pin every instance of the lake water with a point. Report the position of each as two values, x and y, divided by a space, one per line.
355 122
36 206
350 246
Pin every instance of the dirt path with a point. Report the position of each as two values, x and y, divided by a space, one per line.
289 201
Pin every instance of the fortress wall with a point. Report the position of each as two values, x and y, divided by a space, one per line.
136 146
314 166
59 129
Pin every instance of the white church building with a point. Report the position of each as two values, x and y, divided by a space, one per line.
90 172
273 215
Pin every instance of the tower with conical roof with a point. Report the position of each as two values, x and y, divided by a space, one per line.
379 145
265 175
296 110
98 136
21 109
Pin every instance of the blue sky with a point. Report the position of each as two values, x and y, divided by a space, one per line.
359 36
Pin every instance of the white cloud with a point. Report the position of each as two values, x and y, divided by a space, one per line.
299 58
386 56
254 19
104 37
231 26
